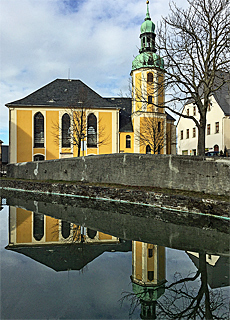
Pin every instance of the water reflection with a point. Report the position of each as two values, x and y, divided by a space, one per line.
65 245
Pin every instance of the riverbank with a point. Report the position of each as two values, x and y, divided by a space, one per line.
176 200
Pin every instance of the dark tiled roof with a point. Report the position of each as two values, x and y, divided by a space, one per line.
125 106
222 95
169 117
64 93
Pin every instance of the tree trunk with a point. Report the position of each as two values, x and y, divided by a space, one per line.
201 136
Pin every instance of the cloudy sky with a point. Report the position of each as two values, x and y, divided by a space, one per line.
91 40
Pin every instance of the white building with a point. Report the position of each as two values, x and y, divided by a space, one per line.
217 125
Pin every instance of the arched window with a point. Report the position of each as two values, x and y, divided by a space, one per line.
150 99
216 148
38 130
65 229
91 131
65 125
128 141
39 157
38 226
148 149
91 233
150 77
159 126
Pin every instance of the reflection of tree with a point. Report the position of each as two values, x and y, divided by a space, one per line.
184 300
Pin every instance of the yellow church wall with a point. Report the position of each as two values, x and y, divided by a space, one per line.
52 229
138 260
105 132
24 135
52 148
138 92
103 236
123 142
24 226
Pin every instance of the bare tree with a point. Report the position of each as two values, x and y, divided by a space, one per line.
79 125
183 300
194 44
154 134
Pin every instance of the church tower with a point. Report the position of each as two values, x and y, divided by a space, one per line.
148 276
148 114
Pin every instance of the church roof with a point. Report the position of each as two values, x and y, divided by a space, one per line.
64 93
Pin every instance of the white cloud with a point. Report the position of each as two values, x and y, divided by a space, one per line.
42 39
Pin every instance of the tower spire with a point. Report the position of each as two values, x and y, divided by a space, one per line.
147 13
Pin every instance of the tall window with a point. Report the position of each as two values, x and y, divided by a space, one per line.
181 135
159 126
150 77
65 125
194 110
38 226
150 99
159 150
128 141
187 136
65 229
187 112
38 130
217 127
208 129
194 132
91 131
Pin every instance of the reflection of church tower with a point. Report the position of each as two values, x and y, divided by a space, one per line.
148 276
148 96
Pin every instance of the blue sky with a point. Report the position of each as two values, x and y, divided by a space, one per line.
94 41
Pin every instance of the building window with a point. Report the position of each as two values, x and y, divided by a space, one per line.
181 135
187 135
39 157
91 131
150 99
128 141
188 112
216 148
194 132
194 110
159 149
208 129
209 106
65 229
38 226
38 130
150 77
150 275
217 127
159 126
150 253
194 152
65 125
148 149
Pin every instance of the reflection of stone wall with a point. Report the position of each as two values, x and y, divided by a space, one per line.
162 171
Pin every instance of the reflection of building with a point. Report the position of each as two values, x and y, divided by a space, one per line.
58 244
148 276
42 125
217 268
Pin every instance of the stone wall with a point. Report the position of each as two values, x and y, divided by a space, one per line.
208 175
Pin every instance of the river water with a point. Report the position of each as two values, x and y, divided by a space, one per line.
88 259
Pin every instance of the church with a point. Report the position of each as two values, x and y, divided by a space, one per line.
66 118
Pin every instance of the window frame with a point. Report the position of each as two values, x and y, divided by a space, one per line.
39 130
